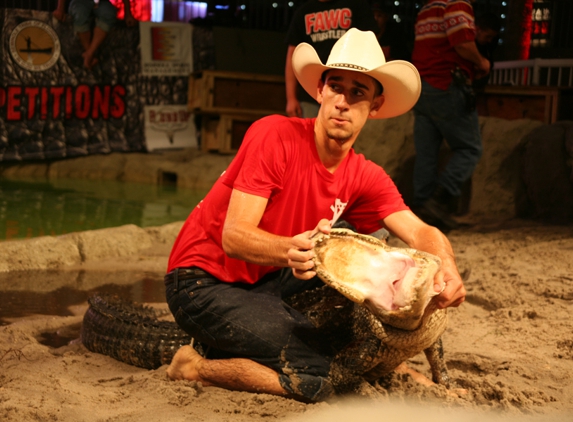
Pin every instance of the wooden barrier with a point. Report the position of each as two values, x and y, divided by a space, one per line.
546 104
229 102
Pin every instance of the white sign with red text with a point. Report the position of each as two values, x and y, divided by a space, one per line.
166 48
169 126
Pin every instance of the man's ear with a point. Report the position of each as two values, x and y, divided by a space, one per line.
319 89
376 104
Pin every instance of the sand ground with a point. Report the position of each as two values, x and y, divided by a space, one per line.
510 346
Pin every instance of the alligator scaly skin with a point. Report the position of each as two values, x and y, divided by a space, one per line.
130 332
361 349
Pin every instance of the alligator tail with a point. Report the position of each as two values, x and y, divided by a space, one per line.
130 332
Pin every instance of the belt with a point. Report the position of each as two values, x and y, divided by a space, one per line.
181 274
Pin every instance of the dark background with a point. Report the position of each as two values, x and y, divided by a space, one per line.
275 15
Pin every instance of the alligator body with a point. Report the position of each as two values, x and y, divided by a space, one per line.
366 335
130 332
361 348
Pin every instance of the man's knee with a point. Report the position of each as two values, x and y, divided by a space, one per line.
307 387
81 13
106 16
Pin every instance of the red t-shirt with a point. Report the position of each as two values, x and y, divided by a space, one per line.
440 26
278 160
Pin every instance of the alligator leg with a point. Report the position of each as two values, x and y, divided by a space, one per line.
349 365
435 356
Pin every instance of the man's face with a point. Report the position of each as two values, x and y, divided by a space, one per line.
485 36
347 98
381 18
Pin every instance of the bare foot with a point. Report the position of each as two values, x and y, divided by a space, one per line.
184 365
422 379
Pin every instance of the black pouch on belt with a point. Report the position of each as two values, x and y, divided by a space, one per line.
464 82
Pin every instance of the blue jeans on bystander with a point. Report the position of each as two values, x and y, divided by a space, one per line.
443 115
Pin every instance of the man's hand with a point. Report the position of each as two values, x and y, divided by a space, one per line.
129 19
451 286
59 15
418 235
482 69
468 50
300 255
60 12
293 108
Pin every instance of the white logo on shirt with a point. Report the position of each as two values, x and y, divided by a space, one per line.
337 209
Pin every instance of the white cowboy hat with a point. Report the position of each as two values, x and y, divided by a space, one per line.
359 51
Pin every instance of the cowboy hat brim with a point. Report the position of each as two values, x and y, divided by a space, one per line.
400 79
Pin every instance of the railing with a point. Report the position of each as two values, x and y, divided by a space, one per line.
536 72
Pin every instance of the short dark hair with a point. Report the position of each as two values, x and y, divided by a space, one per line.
378 87
489 20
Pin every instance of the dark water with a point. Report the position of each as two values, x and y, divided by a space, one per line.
38 208
25 303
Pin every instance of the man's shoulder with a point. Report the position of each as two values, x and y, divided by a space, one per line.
282 124
280 120
442 5
363 164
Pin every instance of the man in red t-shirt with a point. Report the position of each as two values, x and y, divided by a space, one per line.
248 244
446 55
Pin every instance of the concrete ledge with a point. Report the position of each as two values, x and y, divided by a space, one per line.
165 234
76 249
192 169
114 242
40 253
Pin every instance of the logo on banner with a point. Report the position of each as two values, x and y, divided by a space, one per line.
169 126
35 46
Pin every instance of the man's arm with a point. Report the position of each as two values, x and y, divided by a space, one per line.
128 16
418 235
293 105
60 12
468 50
243 239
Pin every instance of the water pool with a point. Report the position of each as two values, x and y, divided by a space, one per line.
31 208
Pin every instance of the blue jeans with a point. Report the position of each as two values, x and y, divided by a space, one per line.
253 322
82 12
443 115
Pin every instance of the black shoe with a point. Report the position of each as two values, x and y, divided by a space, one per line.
438 214
435 210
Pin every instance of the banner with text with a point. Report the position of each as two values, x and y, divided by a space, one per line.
166 49
52 106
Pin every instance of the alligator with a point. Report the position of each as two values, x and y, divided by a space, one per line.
130 332
365 342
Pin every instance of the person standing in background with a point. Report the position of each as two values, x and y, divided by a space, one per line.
320 23
488 27
446 55
82 13
390 35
